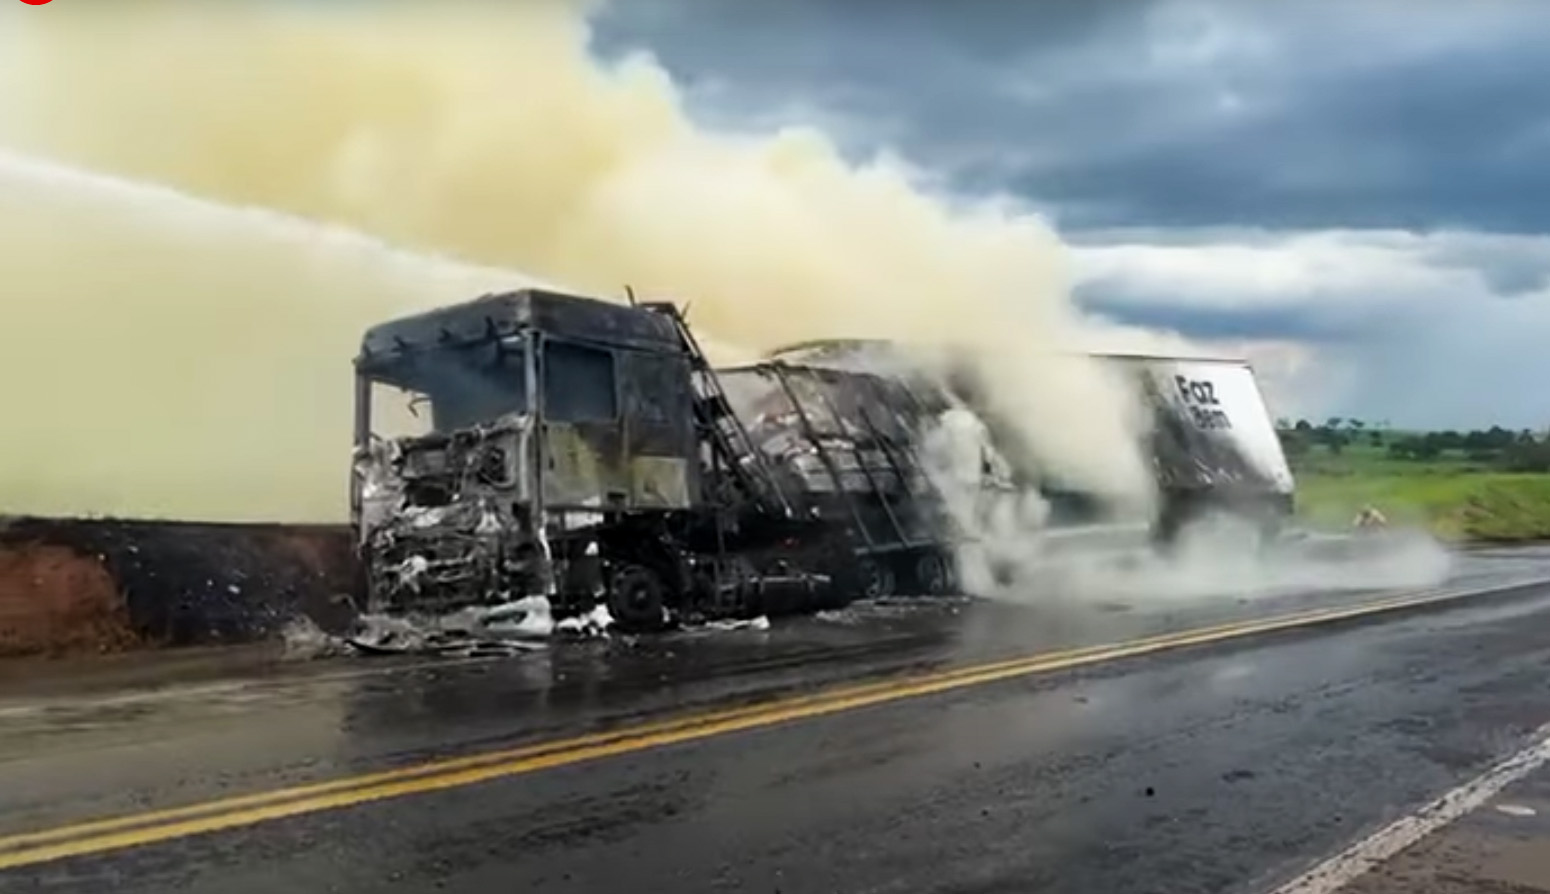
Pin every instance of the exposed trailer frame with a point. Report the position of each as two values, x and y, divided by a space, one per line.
899 532
1199 472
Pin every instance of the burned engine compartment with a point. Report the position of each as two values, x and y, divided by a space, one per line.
439 519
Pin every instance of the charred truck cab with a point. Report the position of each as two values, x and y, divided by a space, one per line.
548 421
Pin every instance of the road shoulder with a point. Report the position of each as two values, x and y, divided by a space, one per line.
1500 845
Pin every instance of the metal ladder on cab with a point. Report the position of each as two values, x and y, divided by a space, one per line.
733 453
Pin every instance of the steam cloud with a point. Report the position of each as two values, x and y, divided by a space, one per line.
191 358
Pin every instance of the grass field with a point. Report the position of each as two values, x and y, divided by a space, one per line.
1455 498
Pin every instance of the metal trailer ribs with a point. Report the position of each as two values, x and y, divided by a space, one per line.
862 430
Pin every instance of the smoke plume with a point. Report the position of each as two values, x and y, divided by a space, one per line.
186 357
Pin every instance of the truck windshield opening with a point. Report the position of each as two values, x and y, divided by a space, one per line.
447 388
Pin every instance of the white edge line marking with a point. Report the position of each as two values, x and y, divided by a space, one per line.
1344 867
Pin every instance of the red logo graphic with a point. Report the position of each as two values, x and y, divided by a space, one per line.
34 2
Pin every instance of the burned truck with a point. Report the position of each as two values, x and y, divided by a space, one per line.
541 444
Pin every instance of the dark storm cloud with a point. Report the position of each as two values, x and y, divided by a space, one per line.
1211 324
902 69
1355 184
852 40
1440 329
1510 266
1428 143
1241 112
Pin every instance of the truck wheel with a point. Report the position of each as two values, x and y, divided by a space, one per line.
635 598
933 575
875 578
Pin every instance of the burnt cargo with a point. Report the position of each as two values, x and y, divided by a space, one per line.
845 446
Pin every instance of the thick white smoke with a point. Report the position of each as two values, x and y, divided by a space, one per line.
204 202
188 360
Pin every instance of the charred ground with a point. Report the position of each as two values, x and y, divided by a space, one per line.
95 585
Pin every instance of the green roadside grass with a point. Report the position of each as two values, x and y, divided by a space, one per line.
1455 499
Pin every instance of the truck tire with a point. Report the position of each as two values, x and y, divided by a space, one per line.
874 578
636 598
933 574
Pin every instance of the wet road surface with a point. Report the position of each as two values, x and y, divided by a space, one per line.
1224 768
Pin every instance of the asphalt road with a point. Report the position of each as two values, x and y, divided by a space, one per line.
1220 767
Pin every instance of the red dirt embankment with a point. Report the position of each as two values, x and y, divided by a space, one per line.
54 601
74 586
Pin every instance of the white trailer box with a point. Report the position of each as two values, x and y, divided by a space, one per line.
1214 442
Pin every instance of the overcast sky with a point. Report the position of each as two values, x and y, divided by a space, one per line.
1357 192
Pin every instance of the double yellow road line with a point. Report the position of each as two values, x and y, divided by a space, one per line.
133 830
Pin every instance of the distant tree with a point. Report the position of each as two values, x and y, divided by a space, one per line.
1331 437
1294 443
1303 426
1334 422
1355 424
1425 447
1494 438
1530 457
1375 438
